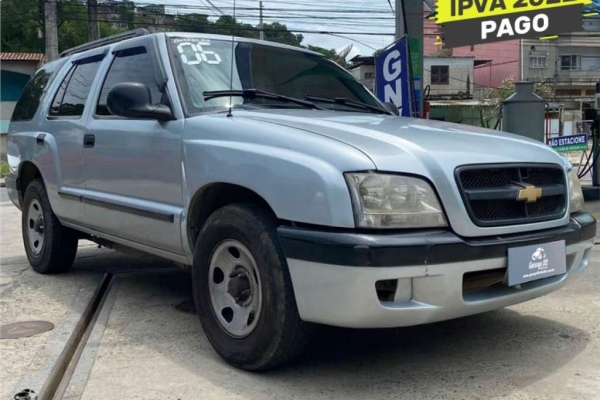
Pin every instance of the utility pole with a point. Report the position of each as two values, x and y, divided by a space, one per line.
409 22
400 27
50 30
260 25
93 20
555 78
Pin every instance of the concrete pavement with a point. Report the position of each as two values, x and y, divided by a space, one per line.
143 348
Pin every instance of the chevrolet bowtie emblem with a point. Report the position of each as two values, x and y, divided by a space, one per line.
529 193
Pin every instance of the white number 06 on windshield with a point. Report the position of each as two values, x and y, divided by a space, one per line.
197 52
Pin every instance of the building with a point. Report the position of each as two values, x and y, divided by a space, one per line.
363 69
16 69
118 14
571 64
156 18
448 77
492 62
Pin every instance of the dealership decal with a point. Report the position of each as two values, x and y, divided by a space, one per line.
529 263
467 22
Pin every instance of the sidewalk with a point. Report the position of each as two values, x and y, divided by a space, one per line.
26 363
142 347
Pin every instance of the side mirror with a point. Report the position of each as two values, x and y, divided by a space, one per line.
134 100
391 107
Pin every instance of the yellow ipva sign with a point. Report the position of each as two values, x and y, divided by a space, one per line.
458 10
468 22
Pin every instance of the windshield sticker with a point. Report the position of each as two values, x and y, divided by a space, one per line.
203 41
194 53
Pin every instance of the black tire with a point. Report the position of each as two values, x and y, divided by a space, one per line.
280 334
59 245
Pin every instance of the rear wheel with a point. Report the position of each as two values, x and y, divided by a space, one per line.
243 291
50 247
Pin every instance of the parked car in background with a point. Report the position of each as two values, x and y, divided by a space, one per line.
293 194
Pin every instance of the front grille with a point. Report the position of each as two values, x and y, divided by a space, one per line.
491 193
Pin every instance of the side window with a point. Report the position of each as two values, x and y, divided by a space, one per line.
60 93
132 65
73 92
31 96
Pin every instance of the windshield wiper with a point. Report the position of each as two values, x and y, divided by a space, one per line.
258 93
348 102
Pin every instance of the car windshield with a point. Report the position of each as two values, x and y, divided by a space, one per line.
204 65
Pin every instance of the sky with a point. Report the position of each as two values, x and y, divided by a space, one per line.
362 23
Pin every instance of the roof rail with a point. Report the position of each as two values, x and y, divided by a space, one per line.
104 41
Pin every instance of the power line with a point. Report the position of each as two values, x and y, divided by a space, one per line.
196 24
213 11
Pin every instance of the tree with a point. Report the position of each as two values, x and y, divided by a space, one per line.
225 26
72 24
276 32
490 112
21 26
193 23
22 23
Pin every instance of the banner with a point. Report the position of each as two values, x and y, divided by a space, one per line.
569 143
392 84
470 22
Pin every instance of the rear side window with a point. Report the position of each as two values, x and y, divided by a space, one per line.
55 107
31 96
73 92
132 65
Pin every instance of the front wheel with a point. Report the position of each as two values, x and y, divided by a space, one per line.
50 247
243 291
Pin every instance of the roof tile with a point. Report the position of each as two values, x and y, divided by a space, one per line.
21 56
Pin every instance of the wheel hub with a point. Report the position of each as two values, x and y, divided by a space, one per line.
38 225
234 288
239 287
35 227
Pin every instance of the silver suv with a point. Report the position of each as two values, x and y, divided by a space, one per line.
293 194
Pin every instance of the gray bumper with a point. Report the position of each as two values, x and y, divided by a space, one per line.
344 294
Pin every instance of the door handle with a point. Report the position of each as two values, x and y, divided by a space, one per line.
89 140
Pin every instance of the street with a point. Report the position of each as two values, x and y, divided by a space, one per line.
141 346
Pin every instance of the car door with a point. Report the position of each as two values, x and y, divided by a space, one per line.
65 121
133 166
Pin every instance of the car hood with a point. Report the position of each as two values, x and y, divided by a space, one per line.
417 146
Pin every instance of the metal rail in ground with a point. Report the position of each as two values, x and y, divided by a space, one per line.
62 371
60 375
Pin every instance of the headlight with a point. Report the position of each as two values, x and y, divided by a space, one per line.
575 193
394 201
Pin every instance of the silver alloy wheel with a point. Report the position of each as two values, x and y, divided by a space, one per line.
35 227
234 287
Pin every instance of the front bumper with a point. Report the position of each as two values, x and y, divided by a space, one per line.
334 274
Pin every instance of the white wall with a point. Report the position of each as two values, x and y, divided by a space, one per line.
459 69
22 67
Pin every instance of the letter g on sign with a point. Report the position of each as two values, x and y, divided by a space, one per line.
391 72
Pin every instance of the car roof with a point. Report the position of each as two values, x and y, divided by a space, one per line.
236 39
82 54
